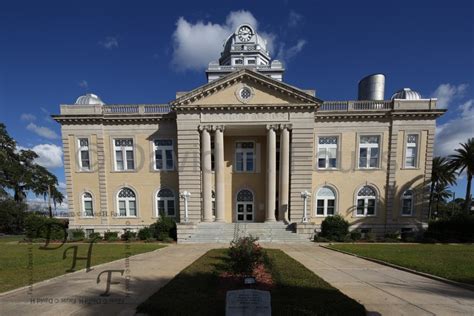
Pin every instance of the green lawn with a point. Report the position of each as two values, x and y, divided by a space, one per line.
298 291
15 259
454 262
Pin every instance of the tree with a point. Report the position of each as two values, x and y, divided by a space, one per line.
20 174
441 195
442 173
464 160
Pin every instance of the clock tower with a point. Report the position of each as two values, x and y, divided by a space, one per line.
245 49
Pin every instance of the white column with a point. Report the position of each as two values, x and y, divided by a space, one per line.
219 173
271 174
206 174
284 173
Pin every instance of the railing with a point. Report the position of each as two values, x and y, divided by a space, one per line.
134 109
356 106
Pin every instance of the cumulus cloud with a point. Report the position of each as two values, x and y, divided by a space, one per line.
49 155
294 19
27 117
42 131
446 93
455 131
83 84
197 44
109 42
288 53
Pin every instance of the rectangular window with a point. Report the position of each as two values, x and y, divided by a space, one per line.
331 206
411 151
406 206
245 156
84 160
369 151
88 209
320 207
124 157
360 206
327 152
164 154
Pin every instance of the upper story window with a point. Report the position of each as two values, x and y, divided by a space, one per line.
164 154
411 151
87 205
407 203
123 150
166 203
369 151
245 156
366 201
127 203
325 202
239 61
250 61
83 150
327 152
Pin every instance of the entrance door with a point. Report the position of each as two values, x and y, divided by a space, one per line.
244 207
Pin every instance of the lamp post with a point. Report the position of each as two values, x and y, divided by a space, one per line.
185 195
305 194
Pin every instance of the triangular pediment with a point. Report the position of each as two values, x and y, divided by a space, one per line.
245 88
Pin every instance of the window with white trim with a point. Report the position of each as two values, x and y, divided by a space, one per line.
126 203
407 203
327 152
411 151
166 203
87 205
325 202
366 201
369 151
164 154
245 156
84 156
123 151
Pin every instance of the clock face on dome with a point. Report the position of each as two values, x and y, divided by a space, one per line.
245 33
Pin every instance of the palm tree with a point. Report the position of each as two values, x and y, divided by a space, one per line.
464 160
441 194
442 173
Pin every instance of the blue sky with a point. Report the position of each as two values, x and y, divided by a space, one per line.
143 52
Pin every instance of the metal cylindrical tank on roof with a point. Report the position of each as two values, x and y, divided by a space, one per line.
372 87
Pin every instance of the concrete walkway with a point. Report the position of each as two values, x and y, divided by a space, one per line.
381 289
79 294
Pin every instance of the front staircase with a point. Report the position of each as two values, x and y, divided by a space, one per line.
226 232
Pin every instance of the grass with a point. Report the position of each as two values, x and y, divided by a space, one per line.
15 259
298 291
453 262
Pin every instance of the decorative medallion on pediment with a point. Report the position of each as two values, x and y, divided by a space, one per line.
244 93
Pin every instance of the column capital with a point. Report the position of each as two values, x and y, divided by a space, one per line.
205 128
218 127
285 126
273 127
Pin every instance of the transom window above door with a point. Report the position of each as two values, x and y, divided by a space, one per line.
245 156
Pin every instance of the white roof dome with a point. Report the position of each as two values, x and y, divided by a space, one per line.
89 99
406 94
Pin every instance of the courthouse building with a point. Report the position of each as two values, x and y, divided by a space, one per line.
246 149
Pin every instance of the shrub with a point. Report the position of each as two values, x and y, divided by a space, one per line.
128 235
370 236
392 235
76 234
112 238
109 235
92 236
245 254
457 228
320 239
165 227
145 233
334 228
37 226
356 235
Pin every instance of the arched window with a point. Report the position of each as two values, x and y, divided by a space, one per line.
127 202
366 201
325 202
166 203
87 205
245 206
407 203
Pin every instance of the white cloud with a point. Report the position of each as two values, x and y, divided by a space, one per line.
446 93
49 155
197 44
109 42
42 131
27 117
294 19
455 131
83 84
287 54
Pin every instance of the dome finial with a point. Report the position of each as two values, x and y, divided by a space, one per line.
89 99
